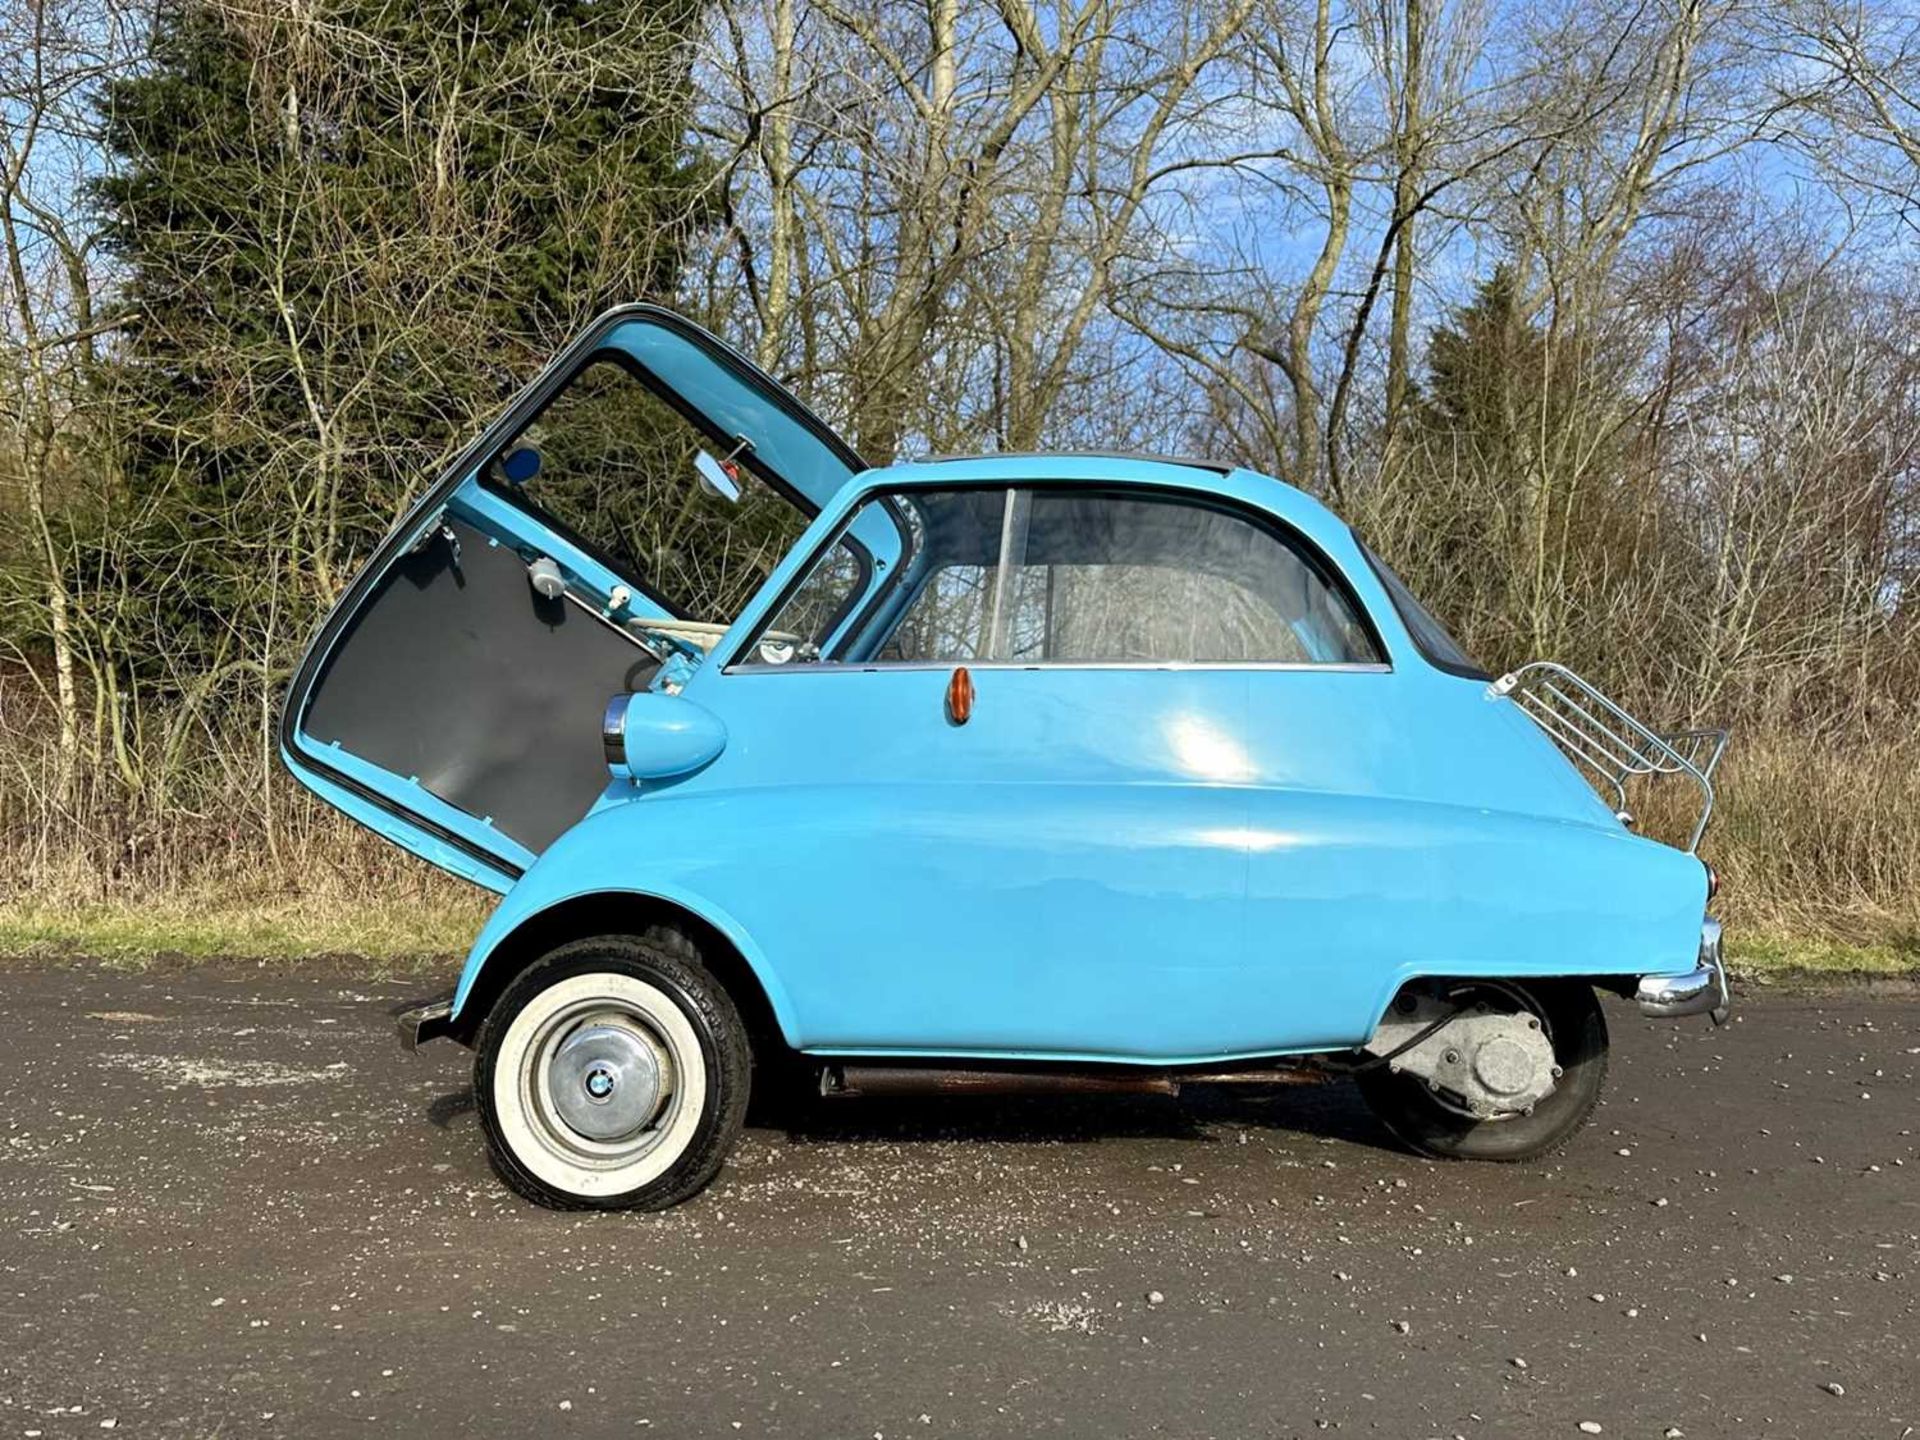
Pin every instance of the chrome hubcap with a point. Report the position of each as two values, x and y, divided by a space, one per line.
607 1080
599 1083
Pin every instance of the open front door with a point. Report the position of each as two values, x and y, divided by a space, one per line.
595 539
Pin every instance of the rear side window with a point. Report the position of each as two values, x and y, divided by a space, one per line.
1430 637
1073 576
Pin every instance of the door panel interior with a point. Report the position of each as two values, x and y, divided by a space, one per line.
457 674
447 705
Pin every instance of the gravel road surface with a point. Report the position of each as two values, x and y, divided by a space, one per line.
229 1205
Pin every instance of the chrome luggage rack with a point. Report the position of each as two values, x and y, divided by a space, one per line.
1608 743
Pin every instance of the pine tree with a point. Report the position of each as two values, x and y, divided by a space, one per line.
346 231
1511 483
1483 376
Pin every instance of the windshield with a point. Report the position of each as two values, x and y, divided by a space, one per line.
609 464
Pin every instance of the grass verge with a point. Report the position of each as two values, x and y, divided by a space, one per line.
1784 957
392 935
395 934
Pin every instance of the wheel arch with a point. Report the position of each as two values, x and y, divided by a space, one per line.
1610 982
623 912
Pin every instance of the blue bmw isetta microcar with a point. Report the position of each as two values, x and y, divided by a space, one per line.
1018 772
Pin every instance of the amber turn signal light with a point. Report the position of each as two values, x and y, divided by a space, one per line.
960 696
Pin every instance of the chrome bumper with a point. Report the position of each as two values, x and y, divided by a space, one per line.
423 1020
1698 992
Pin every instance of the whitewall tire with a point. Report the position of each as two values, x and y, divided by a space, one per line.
612 1074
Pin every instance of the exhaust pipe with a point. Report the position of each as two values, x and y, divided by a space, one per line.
850 1081
847 1082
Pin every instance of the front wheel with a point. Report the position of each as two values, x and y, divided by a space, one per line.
612 1075
1431 1121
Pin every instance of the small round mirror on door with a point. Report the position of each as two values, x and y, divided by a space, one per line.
518 465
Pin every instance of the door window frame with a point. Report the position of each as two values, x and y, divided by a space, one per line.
740 660
522 498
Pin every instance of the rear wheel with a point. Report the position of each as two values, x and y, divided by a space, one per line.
612 1074
1434 1123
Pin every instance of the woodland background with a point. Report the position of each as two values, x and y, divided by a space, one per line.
1597 318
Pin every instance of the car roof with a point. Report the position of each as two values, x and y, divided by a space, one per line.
1031 457
1092 466
1098 467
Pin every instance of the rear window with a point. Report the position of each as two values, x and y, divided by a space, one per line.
1430 637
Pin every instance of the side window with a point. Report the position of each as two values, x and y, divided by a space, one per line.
952 583
614 473
805 621
1432 639
1063 576
1156 579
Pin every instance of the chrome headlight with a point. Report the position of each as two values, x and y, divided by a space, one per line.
651 735
613 736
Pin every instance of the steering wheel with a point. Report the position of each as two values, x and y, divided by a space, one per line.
686 636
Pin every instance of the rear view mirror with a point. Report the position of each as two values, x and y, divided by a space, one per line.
718 477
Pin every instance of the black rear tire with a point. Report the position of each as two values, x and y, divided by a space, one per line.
697 1022
1571 1014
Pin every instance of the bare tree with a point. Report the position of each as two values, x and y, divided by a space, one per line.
53 56
1846 79
1372 117
948 196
